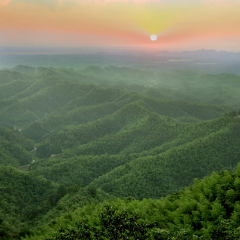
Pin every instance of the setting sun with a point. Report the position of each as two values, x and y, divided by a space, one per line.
153 37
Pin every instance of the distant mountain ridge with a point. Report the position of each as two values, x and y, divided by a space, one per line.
203 60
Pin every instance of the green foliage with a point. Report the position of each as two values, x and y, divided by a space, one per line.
14 148
113 224
126 131
201 211
23 197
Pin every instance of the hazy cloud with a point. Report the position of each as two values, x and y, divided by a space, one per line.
51 4
221 2
178 2
4 2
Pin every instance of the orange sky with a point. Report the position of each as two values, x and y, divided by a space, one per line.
179 24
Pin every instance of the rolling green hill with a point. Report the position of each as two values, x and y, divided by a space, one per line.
208 209
15 149
158 175
23 197
148 159
111 132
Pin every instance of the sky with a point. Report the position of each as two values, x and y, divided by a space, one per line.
178 24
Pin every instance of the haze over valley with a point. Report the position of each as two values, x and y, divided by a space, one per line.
70 136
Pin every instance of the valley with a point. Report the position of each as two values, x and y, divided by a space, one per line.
83 149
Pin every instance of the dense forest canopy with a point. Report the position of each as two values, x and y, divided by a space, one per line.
108 152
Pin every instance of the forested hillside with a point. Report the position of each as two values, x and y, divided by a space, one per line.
69 138
14 148
27 98
24 197
150 159
208 209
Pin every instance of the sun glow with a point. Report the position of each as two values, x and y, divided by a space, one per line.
153 37
215 23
